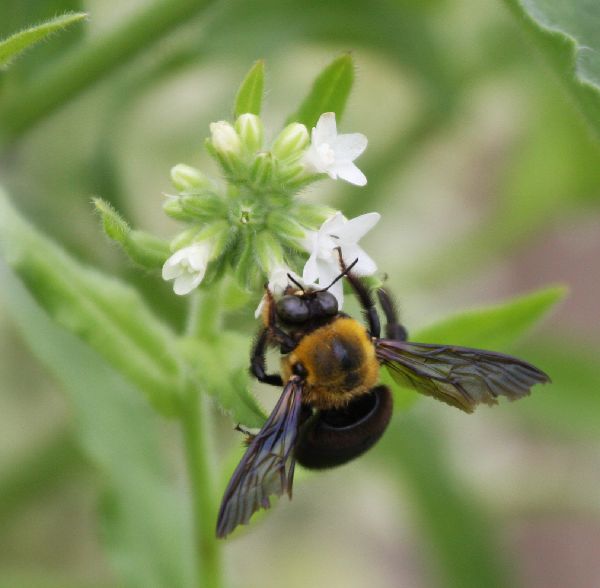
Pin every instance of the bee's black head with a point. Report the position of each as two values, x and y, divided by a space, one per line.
304 306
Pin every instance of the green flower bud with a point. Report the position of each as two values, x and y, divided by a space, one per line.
186 178
268 251
204 207
185 238
172 207
286 229
291 172
246 268
291 142
223 239
312 215
250 130
262 170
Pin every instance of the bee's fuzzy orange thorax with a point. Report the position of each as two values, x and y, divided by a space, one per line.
340 362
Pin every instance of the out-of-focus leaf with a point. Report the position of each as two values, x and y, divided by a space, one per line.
454 527
16 44
45 579
567 33
37 473
571 405
92 62
554 168
142 248
110 316
223 373
149 534
329 92
494 327
250 94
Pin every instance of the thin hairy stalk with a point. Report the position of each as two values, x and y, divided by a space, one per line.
89 63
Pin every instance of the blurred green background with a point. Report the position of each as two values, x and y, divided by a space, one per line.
486 169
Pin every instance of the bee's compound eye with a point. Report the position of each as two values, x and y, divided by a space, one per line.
292 309
328 303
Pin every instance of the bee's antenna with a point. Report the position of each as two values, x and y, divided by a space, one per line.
294 281
345 271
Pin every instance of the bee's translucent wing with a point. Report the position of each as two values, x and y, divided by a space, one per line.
267 467
458 376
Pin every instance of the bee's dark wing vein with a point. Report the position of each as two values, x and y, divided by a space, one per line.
267 467
460 376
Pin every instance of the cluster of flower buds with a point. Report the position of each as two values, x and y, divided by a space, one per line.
251 223
255 224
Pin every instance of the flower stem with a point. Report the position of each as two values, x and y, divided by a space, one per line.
195 422
206 548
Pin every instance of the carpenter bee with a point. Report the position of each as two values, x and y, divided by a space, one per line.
332 409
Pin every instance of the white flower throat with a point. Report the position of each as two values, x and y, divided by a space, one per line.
326 154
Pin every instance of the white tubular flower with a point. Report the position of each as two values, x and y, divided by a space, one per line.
323 265
224 137
187 267
333 154
278 282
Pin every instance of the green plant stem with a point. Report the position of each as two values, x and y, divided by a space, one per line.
87 64
206 548
202 317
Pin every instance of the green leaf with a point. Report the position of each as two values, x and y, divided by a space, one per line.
458 534
16 44
110 316
143 248
222 371
147 529
38 473
250 94
567 33
572 404
495 328
329 93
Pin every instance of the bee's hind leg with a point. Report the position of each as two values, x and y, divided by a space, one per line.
393 328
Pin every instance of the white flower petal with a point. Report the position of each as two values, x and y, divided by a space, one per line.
171 269
326 130
309 242
338 291
349 146
355 229
333 224
186 282
349 172
310 273
329 270
187 267
312 160
198 256
365 266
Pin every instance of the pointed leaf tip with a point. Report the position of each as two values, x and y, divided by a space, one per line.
329 93
13 46
250 93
